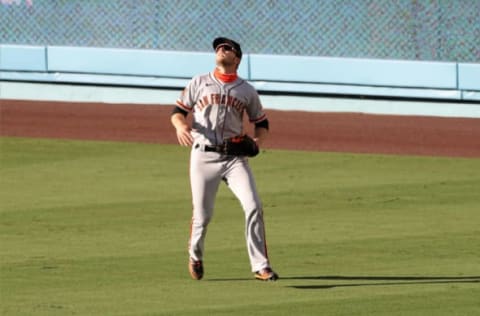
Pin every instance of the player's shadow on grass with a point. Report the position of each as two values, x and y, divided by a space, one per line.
378 281
358 281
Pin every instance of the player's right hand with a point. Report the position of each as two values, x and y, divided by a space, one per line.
184 136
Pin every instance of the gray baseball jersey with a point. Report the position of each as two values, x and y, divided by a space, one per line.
218 107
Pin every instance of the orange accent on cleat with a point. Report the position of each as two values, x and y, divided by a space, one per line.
266 274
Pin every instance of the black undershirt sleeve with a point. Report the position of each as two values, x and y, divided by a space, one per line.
263 123
179 110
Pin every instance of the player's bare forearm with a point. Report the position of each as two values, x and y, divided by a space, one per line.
182 129
260 135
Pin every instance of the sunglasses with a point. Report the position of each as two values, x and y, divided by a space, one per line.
226 48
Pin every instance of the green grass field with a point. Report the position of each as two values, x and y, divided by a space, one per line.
101 228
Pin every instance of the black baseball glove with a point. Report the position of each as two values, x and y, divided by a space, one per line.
242 145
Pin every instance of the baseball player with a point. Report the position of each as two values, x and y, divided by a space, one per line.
218 101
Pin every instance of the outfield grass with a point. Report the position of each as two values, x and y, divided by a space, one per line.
101 228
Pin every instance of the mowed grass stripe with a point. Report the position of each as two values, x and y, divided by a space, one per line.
101 228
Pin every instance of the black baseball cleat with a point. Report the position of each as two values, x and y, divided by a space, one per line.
196 269
266 274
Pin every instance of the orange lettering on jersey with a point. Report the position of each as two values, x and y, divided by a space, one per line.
205 100
230 100
220 100
215 98
200 104
238 105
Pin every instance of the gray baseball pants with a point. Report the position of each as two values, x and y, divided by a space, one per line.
207 170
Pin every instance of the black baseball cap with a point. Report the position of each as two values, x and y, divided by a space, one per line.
224 40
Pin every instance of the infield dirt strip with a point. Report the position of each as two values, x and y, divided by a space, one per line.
297 130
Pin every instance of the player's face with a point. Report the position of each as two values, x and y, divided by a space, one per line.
226 55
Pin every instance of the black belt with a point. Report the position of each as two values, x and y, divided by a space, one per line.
216 149
210 148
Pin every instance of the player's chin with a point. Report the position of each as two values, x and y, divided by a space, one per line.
224 63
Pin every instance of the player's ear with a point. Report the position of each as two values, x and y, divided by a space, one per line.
238 60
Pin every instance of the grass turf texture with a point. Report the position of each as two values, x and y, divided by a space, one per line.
101 228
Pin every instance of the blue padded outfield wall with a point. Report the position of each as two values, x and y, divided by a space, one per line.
396 48
427 30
